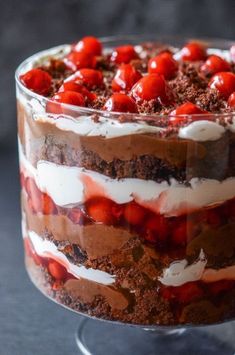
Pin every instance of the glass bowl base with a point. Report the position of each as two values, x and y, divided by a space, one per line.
99 337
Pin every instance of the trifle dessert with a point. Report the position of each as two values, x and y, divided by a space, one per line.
128 178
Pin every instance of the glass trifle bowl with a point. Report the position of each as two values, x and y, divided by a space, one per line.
129 216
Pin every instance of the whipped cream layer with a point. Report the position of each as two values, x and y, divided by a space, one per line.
202 131
180 272
45 248
70 186
199 131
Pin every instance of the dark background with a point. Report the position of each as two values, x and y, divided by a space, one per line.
30 324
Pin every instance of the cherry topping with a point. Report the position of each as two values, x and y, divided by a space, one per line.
213 217
163 64
90 45
193 52
134 214
184 294
221 286
231 100
156 230
48 206
39 202
123 54
57 270
179 234
79 60
100 210
65 97
120 103
215 64
91 78
125 77
73 86
37 80
177 116
224 82
150 87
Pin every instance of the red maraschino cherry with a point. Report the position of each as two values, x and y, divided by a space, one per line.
120 103
123 54
125 77
73 86
215 64
224 83
231 100
163 64
91 78
151 87
66 97
100 210
79 60
37 80
90 45
178 115
193 51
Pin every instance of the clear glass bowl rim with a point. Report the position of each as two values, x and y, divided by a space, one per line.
114 41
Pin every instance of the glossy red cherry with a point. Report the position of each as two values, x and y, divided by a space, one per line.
65 97
39 201
231 100
193 52
73 86
184 294
91 78
37 80
179 234
57 270
220 286
120 103
214 217
100 210
125 77
79 60
134 214
156 230
215 64
177 116
150 87
69 97
224 83
123 54
163 64
47 205
90 45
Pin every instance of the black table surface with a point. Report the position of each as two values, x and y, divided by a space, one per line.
29 322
